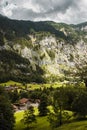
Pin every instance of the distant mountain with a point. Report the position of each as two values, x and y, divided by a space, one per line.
82 26
40 51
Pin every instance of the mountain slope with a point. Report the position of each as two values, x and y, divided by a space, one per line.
40 51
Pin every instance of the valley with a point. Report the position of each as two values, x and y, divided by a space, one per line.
43 73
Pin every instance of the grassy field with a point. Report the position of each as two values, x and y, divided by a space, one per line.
43 124
32 86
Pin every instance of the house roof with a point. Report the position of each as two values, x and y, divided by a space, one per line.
23 100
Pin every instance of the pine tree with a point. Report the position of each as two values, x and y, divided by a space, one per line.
29 117
43 105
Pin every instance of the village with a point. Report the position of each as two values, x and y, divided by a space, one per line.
21 103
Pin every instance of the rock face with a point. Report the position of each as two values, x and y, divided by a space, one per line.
42 49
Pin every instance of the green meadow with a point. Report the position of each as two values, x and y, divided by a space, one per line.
32 86
43 124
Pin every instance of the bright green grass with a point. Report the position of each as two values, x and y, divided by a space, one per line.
42 86
19 116
43 124
33 86
10 83
80 125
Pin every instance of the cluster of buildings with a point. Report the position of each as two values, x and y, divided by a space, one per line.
23 103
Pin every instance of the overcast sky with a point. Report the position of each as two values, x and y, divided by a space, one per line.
68 11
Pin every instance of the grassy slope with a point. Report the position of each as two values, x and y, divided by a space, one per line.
43 124
18 116
80 125
10 83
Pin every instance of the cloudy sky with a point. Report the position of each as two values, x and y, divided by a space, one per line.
68 11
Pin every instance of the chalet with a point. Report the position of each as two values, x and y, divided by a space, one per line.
24 103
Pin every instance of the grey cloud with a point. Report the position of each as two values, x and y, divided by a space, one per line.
55 5
69 11
26 14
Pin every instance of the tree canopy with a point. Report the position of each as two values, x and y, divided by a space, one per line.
6 112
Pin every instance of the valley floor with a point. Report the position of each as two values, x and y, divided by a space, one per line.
42 122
